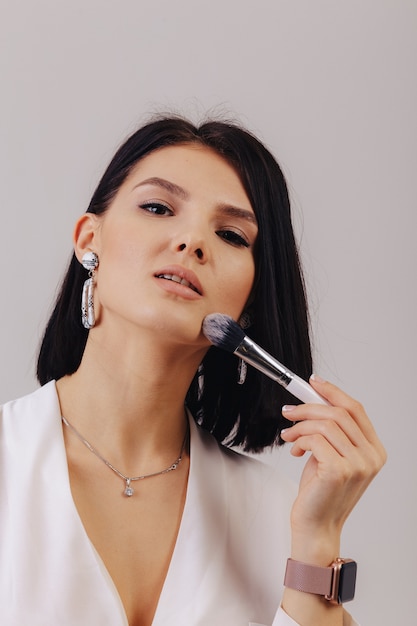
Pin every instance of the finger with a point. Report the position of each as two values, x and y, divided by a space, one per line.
323 417
331 422
354 467
327 457
339 398
329 429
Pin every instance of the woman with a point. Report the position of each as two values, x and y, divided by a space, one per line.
120 509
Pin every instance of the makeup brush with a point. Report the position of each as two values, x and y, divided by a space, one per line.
223 332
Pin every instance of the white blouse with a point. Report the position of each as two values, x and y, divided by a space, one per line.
229 559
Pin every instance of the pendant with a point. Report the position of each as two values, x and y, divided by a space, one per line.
129 491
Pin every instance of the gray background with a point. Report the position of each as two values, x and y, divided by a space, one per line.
330 86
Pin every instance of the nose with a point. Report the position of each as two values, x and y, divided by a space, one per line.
192 246
197 251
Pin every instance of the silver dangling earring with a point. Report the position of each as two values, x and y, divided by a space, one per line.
89 262
200 377
242 369
245 320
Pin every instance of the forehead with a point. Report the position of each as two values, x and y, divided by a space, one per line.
193 167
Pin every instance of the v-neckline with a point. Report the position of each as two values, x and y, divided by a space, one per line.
193 528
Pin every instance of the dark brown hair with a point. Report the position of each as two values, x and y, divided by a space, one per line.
246 415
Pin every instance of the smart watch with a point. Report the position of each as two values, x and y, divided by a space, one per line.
335 583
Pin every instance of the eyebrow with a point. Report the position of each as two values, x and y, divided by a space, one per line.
225 209
165 184
233 211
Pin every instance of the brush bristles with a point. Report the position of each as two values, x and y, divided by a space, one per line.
222 331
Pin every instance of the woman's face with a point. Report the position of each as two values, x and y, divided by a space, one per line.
176 243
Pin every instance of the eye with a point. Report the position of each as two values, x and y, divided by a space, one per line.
234 238
157 208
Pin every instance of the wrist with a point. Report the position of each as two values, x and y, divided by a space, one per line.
317 550
335 583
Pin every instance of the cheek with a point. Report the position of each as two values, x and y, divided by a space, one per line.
122 264
237 285
123 245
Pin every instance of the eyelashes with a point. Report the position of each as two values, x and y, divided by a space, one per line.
157 208
228 235
232 237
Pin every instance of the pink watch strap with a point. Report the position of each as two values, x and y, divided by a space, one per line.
308 578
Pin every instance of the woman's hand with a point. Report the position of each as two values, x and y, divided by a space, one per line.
346 454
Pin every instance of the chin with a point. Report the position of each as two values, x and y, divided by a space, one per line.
175 325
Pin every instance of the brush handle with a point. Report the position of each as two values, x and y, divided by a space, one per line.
303 391
256 356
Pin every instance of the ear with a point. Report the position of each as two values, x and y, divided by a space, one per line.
86 235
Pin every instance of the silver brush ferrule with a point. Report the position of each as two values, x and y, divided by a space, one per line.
250 352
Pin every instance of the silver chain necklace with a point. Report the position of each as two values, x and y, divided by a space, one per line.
128 490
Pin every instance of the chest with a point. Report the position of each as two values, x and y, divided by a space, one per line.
134 536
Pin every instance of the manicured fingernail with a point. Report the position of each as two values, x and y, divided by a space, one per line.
317 378
288 407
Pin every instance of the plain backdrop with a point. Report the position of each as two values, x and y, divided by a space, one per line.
331 87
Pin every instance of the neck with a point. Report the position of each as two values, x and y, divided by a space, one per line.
130 407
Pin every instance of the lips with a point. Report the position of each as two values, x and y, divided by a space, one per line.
178 279
181 276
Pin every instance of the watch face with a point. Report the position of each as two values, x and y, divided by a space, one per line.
347 582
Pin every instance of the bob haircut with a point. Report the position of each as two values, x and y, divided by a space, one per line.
247 415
